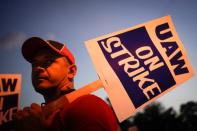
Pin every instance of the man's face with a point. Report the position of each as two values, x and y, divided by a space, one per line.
49 70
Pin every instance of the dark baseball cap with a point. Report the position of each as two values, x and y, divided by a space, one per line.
34 44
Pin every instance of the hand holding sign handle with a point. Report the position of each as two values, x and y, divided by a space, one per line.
49 110
68 98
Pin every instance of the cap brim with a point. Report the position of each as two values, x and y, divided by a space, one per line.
32 45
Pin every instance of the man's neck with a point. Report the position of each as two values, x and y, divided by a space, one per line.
52 95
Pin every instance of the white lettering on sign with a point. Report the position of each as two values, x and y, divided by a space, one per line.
1 103
153 61
7 116
132 66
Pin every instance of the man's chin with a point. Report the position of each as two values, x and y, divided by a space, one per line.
45 91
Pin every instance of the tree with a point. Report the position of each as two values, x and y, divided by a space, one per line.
188 116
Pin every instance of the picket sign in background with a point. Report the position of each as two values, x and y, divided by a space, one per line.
10 91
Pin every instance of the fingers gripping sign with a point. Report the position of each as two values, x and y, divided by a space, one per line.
32 118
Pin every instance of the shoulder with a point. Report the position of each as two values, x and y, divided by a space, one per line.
90 106
89 101
91 111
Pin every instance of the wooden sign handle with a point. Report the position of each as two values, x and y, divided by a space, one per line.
68 98
87 89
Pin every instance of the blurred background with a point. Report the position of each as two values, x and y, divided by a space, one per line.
75 21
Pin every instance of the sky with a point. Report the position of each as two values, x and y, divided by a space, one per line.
75 21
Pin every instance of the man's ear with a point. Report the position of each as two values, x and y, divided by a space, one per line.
72 71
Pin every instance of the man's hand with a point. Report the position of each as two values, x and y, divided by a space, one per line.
32 119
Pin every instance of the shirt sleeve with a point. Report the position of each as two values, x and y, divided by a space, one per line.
90 113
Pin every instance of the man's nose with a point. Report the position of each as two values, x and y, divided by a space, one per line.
37 69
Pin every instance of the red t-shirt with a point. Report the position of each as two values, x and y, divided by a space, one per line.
86 113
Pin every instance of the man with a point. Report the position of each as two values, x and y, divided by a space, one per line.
53 71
